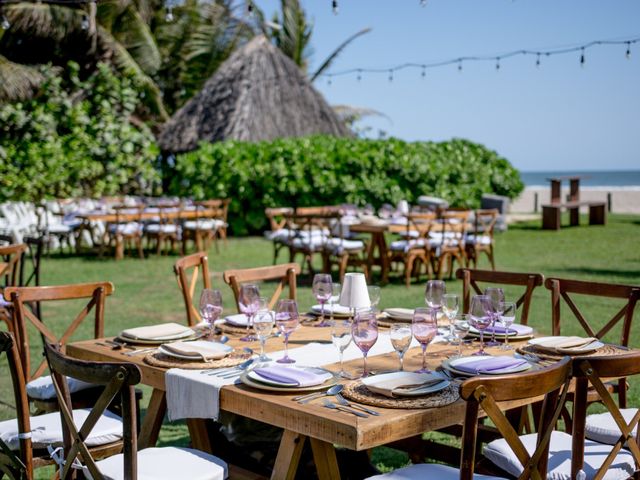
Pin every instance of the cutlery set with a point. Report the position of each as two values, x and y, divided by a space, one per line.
344 404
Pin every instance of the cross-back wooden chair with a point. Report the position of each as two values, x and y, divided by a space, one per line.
340 250
308 233
413 249
279 228
589 373
471 279
24 318
210 222
285 273
489 394
124 231
566 290
481 239
118 381
447 241
11 258
166 230
188 270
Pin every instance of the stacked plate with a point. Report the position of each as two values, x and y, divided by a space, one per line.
288 379
338 310
566 345
515 332
486 365
405 384
157 334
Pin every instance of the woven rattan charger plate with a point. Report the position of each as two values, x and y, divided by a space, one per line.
158 359
358 392
604 351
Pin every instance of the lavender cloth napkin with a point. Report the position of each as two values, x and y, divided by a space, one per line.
297 376
490 365
514 329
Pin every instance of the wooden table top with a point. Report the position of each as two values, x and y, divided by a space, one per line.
312 419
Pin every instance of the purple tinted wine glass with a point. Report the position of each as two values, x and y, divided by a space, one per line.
364 331
496 295
210 307
481 317
249 303
322 290
424 327
286 321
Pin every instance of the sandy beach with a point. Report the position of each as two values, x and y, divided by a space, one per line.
623 199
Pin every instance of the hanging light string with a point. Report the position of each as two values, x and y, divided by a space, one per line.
497 59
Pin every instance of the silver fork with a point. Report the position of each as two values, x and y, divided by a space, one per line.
329 404
343 401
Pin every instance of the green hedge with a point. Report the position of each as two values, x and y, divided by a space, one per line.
329 171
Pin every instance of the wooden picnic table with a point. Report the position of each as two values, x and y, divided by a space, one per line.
322 427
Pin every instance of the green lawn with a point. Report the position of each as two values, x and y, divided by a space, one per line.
146 290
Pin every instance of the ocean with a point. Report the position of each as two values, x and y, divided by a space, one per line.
591 179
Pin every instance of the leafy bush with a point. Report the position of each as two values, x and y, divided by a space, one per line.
329 171
75 139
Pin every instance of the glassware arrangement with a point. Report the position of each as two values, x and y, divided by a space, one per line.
481 317
210 307
401 336
322 290
460 330
433 294
263 323
249 303
287 321
424 327
341 338
364 331
507 317
450 308
496 295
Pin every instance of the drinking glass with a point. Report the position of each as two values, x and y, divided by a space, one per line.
481 317
341 338
460 331
374 296
425 328
450 307
322 290
287 322
497 297
401 339
263 326
433 294
336 288
249 303
364 331
507 317
210 306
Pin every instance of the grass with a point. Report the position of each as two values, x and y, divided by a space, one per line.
146 291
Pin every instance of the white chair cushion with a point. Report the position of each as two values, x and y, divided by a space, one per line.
478 239
601 427
204 224
423 471
560 457
47 429
339 245
168 462
125 229
160 228
280 236
406 245
42 387
313 243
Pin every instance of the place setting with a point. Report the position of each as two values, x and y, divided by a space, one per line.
556 347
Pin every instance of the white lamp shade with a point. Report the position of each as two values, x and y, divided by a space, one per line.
354 292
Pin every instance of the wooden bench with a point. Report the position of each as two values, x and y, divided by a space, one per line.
551 214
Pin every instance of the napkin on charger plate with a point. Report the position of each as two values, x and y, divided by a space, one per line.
565 342
389 384
301 377
199 349
164 331
489 364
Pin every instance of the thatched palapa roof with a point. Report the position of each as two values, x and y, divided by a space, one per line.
257 94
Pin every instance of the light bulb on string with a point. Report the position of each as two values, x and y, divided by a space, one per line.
391 75
423 74
359 77
497 64
582 57
169 16
334 7
460 66
85 22
538 61
329 81
249 7
5 24
423 3
627 54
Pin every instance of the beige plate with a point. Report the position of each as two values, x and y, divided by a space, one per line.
244 378
156 342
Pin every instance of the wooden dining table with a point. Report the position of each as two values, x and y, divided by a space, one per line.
312 422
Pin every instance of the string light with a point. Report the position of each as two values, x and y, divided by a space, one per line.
538 60
249 7
334 7
627 54
582 57
85 22
391 75
460 66
423 3
359 77
169 16
423 74
5 24
497 63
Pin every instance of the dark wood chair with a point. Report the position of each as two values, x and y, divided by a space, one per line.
472 278
285 273
308 233
279 232
117 381
26 439
413 249
341 250
489 394
480 240
25 319
188 270
447 241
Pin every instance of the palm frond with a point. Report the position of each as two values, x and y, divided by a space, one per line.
134 34
17 82
329 60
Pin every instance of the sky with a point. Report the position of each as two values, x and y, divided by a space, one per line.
559 117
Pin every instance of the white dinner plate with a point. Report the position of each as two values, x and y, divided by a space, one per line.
321 371
221 351
247 380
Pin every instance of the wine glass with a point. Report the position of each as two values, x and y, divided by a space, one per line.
322 290
450 307
210 306
341 338
287 322
374 296
460 330
364 331
433 294
481 317
425 328
249 303
497 297
263 326
507 317
336 288
401 339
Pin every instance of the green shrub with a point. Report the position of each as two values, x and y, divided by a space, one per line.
75 139
329 171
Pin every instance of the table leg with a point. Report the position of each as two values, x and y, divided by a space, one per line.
288 457
153 419
384 258
324 456
199 432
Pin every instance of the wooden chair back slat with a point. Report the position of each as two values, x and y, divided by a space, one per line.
278 217
471 277
198 264
286 273
11 257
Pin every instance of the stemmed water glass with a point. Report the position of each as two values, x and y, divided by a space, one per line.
364 331
481 317
450 307
322 290
400 340
341 338
374 296
425 328
210 306
249 304
496 295
507 317
263 326
433 294
336 288
460 331
287 322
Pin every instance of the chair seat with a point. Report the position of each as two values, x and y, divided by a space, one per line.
280 236
169 463
42 387
595 453
131 228
425 471
478 240
406 245
312 243
161 228
601 427
204 224
59 229
47 429
336 246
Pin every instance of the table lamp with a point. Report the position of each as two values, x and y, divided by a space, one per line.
354 294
